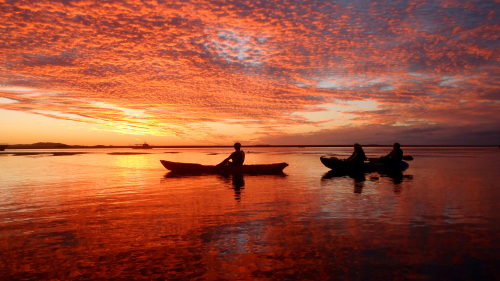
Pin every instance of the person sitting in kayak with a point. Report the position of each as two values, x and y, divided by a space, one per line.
395 155
238 157
358 156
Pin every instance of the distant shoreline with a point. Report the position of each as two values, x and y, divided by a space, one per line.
226 146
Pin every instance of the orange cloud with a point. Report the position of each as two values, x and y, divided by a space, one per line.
183 64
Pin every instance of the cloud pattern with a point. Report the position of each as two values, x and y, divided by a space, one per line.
173 67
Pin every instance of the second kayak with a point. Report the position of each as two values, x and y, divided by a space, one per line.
348 166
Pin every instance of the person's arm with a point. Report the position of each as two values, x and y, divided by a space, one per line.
352 156
360 157
224 162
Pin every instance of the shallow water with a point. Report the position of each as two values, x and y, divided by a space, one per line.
103 216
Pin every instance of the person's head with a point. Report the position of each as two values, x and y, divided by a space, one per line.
357 147
237 146
396 145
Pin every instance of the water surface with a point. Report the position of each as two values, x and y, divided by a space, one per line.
103 216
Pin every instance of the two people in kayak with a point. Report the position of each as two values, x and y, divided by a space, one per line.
358 156
237 157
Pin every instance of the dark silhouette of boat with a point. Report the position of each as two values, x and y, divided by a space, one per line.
211 169
365 167
142 146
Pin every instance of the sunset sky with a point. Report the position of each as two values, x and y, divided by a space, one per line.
259 72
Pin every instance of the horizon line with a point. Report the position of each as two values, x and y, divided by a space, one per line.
64 146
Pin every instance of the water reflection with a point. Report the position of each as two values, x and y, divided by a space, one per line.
359 183
398 178
358 178
103 217
237 182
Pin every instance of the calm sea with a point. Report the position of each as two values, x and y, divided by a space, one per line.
99 216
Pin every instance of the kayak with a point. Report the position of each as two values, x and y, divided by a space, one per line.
245 169
398 166
344 166
365 167
406 157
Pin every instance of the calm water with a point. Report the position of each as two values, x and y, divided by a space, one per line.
100 216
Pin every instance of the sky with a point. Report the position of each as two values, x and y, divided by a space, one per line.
258 72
